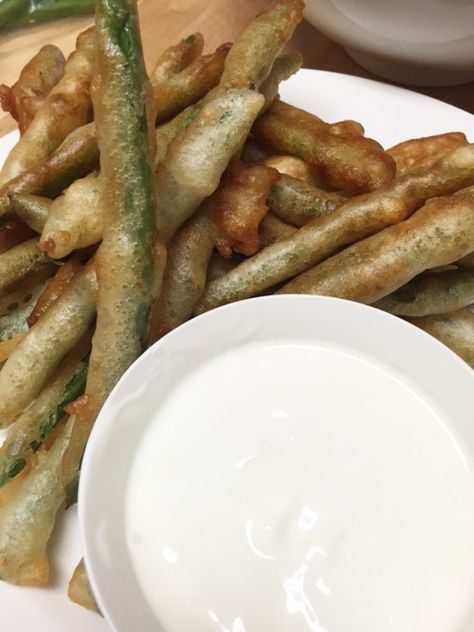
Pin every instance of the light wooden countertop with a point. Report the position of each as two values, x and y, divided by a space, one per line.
163 22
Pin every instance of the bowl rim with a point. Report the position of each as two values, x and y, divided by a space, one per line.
455 54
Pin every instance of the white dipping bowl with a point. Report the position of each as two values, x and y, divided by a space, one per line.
418 42
404 351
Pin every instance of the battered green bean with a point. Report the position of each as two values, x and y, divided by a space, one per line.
189 253
250 59
176 58
35 82
77 156
190 85
22 261
439 233
455 330
75 219
36 357
356 219
431 293
297 202
197 157
126 267
420 153
27 518
37 422
79 589
345 161
66 107
283 67
31 209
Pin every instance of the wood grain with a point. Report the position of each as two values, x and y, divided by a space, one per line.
163 22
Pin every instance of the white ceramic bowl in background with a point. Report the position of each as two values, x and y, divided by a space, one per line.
429 366
419 42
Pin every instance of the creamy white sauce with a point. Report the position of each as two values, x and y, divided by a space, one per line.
288 487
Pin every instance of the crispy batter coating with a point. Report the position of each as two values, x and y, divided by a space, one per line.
31 209
39 353
65 108
35 82
438 234
431 293
239 206
176 58
356 219
77 156
346 161
20 262
198 156
27 519
250 59
190 85
419 153
297 202
455 330
79 589
55 288
189 253
282 69
75 219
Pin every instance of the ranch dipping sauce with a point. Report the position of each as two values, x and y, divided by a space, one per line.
288 487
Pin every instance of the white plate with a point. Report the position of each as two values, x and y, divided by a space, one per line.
389 115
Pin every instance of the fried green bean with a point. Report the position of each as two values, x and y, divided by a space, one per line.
35 82
27 518
345 161
420 153
272 229
431 293
36 357
190 85
75 219
297 202
31 209
37 421
455 330
22 261
197 157
127 270
437 234
66 107
176 58
250 60
76 157
189 253
79 590
282 69
356 219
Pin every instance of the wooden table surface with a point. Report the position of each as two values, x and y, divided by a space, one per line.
163 22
